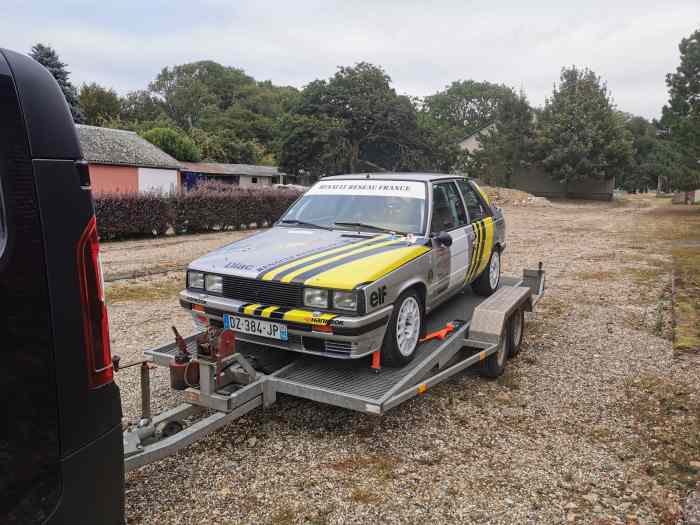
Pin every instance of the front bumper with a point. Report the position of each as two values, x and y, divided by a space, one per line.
344 337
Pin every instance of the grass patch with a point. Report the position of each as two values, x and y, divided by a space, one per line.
143 291
364 496
686 330
596 276
376 465
283 516
668 429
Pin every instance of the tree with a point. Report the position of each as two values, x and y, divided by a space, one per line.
47 57
225 147
505 146
99 104
467 105
140 106
579 134
681 116
312 145
376 123
174 143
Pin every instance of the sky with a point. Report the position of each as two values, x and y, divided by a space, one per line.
423 46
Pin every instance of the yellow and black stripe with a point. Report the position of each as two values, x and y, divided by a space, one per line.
482 248
279 313
283 269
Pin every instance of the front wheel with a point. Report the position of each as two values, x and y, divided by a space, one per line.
490 278
404 330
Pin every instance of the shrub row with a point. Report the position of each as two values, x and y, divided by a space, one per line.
208 207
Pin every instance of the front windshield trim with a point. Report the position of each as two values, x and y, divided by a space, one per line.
425 209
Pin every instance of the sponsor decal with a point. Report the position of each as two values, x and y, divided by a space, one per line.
235 265
409 189
377 297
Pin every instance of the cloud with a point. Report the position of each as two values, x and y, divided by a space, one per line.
423 46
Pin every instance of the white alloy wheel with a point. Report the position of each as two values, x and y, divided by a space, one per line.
408 326
495 270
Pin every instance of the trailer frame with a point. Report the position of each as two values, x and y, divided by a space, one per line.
481 328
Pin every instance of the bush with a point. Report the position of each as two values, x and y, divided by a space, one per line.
208 207
123 215
174 143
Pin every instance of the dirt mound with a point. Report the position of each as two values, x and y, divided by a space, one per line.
510 197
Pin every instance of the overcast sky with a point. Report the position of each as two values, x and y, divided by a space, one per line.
422 45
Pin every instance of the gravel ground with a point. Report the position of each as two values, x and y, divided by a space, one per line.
596 421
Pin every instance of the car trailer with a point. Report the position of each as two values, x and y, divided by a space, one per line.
467 330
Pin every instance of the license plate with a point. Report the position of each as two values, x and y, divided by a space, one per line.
256 327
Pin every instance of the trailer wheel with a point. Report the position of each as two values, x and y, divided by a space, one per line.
404 330
496 362
516 328
490 277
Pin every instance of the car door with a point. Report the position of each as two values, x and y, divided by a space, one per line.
449 262
480 230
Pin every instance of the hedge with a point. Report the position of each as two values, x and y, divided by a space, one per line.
209 207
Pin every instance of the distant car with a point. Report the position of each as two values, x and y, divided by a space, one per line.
353 266
295 187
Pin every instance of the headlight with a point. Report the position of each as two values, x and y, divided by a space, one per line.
345 300
214 283
195 280
316 298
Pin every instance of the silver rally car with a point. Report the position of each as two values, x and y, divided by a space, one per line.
354 266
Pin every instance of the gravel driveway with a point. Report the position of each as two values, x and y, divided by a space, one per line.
596 421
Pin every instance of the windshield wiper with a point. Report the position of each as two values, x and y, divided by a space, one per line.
368 226
304 223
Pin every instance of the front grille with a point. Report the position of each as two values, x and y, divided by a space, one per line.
313 344
263 292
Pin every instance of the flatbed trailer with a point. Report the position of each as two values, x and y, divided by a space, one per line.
254 375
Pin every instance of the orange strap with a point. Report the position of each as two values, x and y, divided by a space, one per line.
440 334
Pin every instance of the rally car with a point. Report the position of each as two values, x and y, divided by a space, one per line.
354 266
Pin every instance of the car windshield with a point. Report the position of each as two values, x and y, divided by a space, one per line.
397 206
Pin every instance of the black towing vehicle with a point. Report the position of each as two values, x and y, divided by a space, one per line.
61 454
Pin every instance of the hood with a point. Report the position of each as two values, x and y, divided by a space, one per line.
333 259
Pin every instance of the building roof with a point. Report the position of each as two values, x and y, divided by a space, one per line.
215 168
123 148
419 177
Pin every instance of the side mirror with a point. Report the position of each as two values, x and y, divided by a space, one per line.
444 238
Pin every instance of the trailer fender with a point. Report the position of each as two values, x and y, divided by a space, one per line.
489 321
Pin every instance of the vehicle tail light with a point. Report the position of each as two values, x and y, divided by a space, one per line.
95 321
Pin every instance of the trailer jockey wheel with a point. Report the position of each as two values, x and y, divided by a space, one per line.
516 328
169 429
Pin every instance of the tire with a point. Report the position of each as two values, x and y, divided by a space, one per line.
495 364
399 347
490 278
516 329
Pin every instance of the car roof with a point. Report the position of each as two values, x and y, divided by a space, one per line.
419 177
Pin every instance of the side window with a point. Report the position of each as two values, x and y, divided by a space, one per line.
448 210
475 206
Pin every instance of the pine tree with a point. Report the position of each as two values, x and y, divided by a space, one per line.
580 135
47 57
